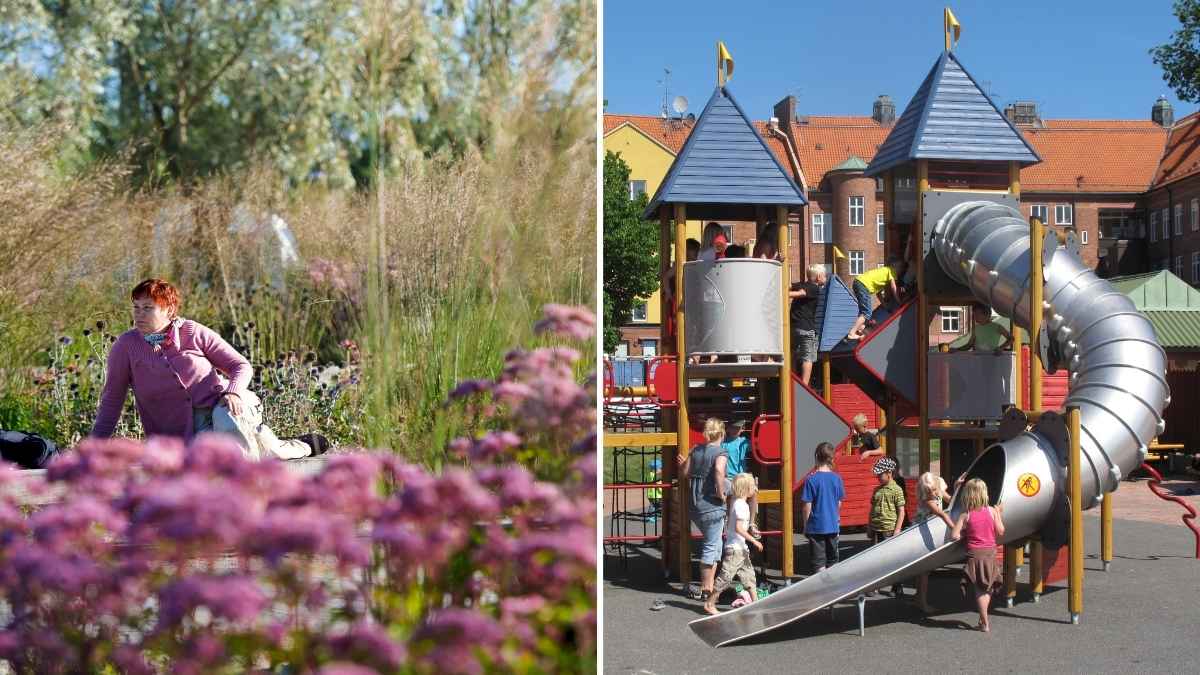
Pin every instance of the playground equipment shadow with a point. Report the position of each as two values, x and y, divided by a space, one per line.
1135 619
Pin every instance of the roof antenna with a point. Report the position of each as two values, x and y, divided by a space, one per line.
665 111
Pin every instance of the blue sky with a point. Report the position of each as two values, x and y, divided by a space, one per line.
1075 58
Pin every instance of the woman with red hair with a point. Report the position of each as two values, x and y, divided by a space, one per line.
186 380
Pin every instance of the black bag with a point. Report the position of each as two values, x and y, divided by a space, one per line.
28 451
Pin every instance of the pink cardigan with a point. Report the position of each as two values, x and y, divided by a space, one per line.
168 382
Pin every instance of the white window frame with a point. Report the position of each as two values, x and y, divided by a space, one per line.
1166 223
1040 211
880 228
1153 226
622 349
859 257
1179 220
1064 214
1195 215
633 194
951 319
639 306
1196 267
821 228
858 212
1083 237
652 343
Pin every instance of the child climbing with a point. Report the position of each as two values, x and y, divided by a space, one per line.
822 498
866 442
980 525
737 447
866 285
932 497
887 508
735 561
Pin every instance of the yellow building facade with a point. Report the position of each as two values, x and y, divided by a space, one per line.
648 159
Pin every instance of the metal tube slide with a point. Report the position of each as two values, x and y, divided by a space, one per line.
1117 378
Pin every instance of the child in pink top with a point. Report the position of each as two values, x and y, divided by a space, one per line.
981 525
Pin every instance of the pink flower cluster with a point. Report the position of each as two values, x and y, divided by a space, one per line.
161 553
166 558
548 414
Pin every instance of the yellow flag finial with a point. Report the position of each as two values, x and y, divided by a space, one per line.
837 253
950 25
724 64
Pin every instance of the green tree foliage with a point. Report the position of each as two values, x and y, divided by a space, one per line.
1180 58
319 88
630 246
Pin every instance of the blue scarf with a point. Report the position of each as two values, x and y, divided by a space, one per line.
156 339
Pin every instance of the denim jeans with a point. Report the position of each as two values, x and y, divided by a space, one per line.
712 526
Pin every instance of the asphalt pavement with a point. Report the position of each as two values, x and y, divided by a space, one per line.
1141 616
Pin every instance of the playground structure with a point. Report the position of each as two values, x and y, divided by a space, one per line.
967 242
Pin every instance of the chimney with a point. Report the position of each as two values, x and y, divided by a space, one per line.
884 111
1162 114
1023 112
785 112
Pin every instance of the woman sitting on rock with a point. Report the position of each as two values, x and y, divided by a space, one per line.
186 380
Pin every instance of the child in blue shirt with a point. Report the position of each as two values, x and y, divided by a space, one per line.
737 446
822 498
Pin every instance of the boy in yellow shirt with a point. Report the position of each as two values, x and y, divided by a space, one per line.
866 285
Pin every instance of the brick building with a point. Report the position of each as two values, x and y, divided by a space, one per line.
1129 188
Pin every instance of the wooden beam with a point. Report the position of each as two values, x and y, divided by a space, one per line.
768 497
684 559
639 439
785 396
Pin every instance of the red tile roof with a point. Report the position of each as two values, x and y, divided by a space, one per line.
1077 155
825 141
671 133
1093 155
1182 155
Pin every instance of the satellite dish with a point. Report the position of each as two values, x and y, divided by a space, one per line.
679 104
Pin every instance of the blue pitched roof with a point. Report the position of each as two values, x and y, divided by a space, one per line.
725 161
951 118
837 310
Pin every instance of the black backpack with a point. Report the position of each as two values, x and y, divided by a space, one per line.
28 451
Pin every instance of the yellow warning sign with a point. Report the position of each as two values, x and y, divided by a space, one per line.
1028 484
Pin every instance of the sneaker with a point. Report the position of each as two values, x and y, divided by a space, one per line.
316 442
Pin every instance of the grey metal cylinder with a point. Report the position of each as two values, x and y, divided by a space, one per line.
733 306
1117 368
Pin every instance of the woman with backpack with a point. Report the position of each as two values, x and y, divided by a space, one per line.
704 468
187 379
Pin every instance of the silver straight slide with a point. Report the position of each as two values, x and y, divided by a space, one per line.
920 548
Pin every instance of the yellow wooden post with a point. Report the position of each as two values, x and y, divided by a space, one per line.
1036 572
922 316
785 398
1075 493
1106 516
685 525
888 448
826 379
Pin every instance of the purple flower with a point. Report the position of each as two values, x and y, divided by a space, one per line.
577 323
470 388
237 599
455 635
191 509
368 643
346 669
